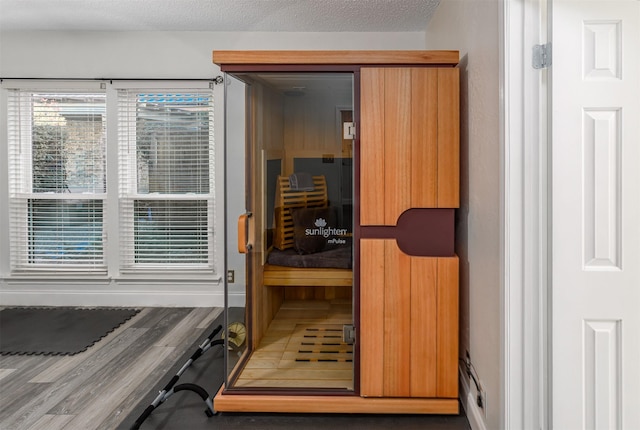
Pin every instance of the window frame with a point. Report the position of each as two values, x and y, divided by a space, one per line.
112 230
20 180
129 194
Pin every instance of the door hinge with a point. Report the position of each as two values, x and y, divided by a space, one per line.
349 333
541 58
349 130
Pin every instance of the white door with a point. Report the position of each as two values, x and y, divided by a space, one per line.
596 214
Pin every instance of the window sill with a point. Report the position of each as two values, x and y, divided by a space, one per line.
160 278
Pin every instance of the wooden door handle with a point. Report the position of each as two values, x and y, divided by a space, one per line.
243 226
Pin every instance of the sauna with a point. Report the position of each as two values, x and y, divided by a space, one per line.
346 164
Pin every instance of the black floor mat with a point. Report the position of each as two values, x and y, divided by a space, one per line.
56 331
207 372
185 410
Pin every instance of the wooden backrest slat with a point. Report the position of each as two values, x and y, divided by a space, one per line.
286 199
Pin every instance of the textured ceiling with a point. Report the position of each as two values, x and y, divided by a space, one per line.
218 15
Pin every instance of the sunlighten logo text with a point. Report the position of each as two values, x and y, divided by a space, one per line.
324 231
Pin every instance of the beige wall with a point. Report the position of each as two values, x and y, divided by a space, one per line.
149 55
473 28
161 54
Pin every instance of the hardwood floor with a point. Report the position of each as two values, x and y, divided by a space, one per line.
99 387
303 348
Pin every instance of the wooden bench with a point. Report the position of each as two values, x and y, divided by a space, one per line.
283 276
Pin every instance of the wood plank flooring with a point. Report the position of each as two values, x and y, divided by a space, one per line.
303 348
99 387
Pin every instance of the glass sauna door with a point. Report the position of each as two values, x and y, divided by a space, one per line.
289 205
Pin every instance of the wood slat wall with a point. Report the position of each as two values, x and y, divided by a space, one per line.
372 309
424 324
424 156
397 143
409 323
448 138
372 153
447 327
409 147
396 334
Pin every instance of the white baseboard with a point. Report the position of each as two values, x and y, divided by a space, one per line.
110 298
159 294
475 415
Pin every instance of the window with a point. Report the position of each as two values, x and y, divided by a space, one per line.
57 179
166 199
66 158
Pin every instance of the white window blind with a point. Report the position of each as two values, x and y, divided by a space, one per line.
57 177
166 179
